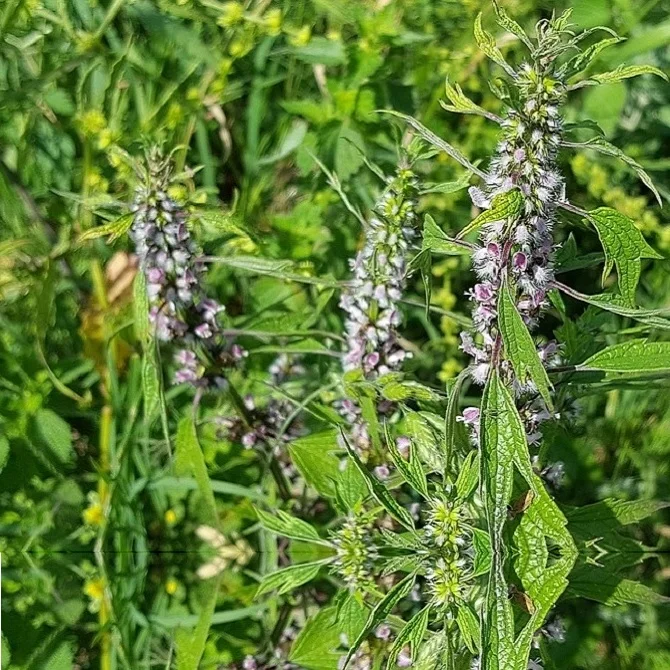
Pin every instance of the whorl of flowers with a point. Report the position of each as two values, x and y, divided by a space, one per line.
447 539
180 310
372 302
519 244
356 552
379 278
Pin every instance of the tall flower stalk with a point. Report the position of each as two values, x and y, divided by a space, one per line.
372 302
181 311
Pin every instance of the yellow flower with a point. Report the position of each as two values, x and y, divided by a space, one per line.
95 589
232 13
301 37
92 122
170 517
171 586
272 21
94 514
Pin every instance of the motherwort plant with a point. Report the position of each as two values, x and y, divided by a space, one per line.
372 301
180 310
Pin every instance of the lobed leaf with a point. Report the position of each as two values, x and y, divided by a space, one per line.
411 634
460 103
284 524
438 242
113 230
624 247
287 579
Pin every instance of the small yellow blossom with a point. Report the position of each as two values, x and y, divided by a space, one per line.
95 589
170 517
301 37
92 122
272 21
232 14
171 586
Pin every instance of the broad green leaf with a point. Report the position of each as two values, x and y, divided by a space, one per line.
409 468
370 415
624 246
351 487
114 229
601 145
61 658
412 634
321 50
446 187
487 44
612 513
436 240
349 152
380 492
461 104
56 433
284 524
189 460
508 23
468 624
380 612
504 207
399 391
313 456
191 643
287 579
221 222
316 646
433 653
597 584
352 615
520 349
632 356
424 429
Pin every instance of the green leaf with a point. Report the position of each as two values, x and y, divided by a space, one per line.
380 612
349 152
632 356
461 104
114 229
586 57
519 346
409 468
446 187
481 543
436 141
191 643
624 246
352 615
316 646
151 382
287 579
284 524
411 634
321 50
399 391
499 650
290 142
601 145
504 207
596 584
438 242
615 304
487 44
468 476
468 624
313 456
424 430
189 460
380 492
281 269
4 452
141 308
450 424
612 513
620 73
508 23
56 433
